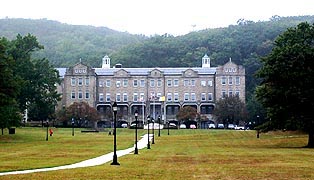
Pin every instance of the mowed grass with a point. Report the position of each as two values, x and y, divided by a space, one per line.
184 154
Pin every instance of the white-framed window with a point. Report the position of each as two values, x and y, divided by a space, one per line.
80 81
169 82
192 82
100 83
152 83
125 83
87 94
142 96
230 93
118 97
118 83
73 95
237 80
135 97
230 80
158 94
86 81
73 81
210 83
152 94
223 80
176 82
108 97
80 94
223 93
159 83
193 97
237 93
203 83
169 96
186 96
101 97
203 96
125 97
186 82
108 83
210 96
142 82
135 83
176 97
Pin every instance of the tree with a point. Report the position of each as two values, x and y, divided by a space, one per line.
9 89
230 110
80 112
286 90
187 113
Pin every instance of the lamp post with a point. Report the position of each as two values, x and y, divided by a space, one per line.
148 143
153 140
47 124
72 126
136 115
159 126
168 127
115 158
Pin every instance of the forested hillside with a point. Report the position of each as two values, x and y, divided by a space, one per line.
66 44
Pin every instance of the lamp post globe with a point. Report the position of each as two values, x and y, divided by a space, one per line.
115 157
148 143
136 115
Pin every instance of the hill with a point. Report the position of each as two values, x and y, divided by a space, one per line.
66 44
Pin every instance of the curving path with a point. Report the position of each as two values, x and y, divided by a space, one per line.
142 143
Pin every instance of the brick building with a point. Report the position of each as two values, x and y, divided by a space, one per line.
158 92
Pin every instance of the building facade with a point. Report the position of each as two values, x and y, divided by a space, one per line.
158 92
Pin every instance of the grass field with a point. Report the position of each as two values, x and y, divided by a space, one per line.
184 154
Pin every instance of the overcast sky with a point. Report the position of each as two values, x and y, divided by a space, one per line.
151 17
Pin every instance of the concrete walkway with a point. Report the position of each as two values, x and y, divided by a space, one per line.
90 162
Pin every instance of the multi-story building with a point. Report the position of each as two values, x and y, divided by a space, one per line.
158 92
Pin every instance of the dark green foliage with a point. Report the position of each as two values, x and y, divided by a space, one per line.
287 87
230 110
187 113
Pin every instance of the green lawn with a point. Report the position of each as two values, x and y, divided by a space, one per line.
184 154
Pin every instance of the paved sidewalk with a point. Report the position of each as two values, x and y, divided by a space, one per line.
142 143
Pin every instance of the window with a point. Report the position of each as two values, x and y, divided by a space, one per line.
135 97
125 83
223 80
176 82
142 82
118 83
176 96
80 94
142 97
223 94
230 93
87 81
135 82
101 97
169 97
159 82
107 97
186 82
230 80
108 83
80 81
152 83
237 80
73 80
210 83
193 97
125 97
203 96
169 82
118 97
87 94
203 83
159 95
210 97
73 95
186 96
237 93
100 83
192 82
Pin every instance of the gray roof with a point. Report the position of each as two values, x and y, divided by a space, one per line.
145 71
